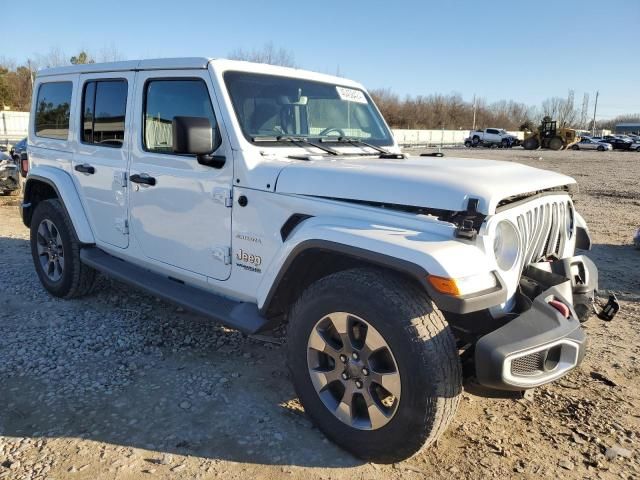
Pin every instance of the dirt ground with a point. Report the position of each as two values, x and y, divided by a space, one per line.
121 385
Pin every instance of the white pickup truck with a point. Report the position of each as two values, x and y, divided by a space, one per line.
490 137
255 195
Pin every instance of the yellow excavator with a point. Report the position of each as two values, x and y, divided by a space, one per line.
548 135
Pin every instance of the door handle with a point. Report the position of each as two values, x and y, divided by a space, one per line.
85 168
142 178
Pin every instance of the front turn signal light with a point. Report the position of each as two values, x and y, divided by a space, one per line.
464 286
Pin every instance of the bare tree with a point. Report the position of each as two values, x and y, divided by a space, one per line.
268 54
110 54
55 57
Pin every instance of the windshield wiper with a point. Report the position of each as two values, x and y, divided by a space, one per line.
296 140
384 153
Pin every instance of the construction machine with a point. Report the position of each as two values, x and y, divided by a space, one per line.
548 135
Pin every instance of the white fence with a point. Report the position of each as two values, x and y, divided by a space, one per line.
436 137
13 125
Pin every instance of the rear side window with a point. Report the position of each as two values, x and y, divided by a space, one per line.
165 99
492 130
104 105
52 110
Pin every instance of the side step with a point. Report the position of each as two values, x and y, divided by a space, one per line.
242 316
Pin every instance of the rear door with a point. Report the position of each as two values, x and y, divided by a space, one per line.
184 218
100 161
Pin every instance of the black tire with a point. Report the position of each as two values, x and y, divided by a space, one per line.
531 143
637 149
556 143
76 279
421 342
468 144
505 143
475 140
600 148
576 147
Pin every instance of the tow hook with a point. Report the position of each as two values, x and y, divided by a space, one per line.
607 311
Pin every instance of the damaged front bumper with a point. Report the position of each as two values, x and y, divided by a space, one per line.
545 341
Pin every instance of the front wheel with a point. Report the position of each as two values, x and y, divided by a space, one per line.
600 148
377 370
575 147
556 143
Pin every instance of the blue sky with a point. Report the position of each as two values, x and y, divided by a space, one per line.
497 50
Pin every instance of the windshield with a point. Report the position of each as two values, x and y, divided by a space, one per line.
273 106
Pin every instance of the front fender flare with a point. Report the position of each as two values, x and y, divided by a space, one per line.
383 247
66 191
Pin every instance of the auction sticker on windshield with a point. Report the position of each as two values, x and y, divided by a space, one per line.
351 95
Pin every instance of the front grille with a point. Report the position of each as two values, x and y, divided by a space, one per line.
528 365
543 230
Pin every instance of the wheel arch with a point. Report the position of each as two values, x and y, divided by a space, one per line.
312 260
45 183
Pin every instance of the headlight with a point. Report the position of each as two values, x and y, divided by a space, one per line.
506 245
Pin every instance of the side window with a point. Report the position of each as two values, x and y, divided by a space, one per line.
165 99
492 130
52 110
104 104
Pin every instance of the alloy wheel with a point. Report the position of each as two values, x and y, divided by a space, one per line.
50 250
353 371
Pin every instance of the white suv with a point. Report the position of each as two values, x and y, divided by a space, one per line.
256 195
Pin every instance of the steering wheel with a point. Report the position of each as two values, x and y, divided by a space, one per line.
326 131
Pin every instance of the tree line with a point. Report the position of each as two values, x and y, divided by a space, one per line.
434 111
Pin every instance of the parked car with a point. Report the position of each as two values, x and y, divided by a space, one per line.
490 137
617 143
587 143
20 147
9 175
635 146
255 194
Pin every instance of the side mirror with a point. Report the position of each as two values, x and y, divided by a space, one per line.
194 136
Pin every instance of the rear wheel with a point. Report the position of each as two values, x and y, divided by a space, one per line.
637 149
377 370
531 143
56 252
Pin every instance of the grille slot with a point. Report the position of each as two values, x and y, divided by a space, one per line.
542 230
528 365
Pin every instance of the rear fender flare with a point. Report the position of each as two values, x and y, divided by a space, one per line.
66 191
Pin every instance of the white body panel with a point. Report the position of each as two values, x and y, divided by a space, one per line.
104 192
181 221
444 183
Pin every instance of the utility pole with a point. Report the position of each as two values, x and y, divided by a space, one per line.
474 112
595 109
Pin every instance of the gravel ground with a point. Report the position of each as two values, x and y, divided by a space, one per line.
122 385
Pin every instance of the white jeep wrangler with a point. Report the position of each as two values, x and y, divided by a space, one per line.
254 195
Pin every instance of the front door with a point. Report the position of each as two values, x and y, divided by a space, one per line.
100 160
184 218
